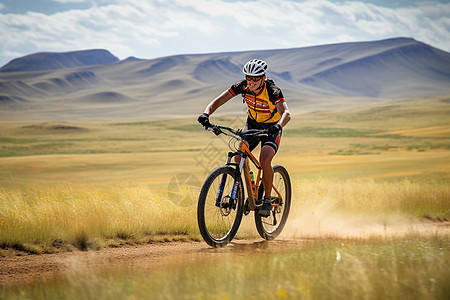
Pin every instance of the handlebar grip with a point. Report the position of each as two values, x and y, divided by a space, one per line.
213 128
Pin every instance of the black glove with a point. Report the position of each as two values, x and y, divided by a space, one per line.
204 120
274 130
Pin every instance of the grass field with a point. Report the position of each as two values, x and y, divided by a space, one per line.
357 176
407 268
381 159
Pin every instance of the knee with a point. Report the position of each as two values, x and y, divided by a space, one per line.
267 153
265 161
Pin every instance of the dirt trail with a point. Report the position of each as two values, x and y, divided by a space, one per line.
24 270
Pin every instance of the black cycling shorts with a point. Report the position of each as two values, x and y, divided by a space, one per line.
272 141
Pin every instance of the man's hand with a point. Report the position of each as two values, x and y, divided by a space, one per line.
204 120
274 130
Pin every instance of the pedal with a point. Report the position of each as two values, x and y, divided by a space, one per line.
258 204
246 209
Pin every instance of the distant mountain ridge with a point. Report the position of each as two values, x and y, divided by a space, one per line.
409 62
54 61
311 78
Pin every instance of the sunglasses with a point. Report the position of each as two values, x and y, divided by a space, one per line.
253 78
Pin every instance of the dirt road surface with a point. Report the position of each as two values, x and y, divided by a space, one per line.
29 269
23 270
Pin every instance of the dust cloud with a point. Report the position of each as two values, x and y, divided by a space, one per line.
325 220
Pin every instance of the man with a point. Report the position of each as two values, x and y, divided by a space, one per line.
267 109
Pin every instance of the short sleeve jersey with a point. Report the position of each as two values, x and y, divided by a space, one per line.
261 106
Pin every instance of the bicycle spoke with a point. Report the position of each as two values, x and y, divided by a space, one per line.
270 227
219 216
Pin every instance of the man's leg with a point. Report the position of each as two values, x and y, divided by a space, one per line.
265 158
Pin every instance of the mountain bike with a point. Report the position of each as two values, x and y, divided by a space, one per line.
224 198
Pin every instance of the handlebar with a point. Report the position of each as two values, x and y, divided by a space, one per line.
219 129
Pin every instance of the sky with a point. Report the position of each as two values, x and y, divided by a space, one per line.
157 28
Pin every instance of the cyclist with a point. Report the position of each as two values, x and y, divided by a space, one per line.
267 109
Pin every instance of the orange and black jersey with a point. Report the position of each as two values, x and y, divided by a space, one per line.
261 106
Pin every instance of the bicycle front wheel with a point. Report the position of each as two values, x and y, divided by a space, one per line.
218 213
269 228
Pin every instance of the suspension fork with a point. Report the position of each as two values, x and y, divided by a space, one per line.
224 180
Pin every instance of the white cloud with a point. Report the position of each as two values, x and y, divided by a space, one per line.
70 1
164 27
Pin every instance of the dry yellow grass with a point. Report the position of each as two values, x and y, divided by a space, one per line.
91 182
433 131
370 200
40 218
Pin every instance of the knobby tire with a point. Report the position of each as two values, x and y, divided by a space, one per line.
218 225
265 226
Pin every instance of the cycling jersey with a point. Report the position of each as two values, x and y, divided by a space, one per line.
261 107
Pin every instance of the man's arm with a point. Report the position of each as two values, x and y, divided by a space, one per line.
283 110
219 101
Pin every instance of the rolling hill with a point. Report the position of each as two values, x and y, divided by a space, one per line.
54 61
70 86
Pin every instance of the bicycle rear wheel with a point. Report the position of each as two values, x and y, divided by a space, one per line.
269 228
218 214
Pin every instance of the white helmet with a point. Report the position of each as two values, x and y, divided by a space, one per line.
255 67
